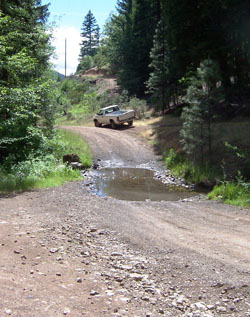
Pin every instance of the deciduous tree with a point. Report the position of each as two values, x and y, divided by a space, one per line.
25 106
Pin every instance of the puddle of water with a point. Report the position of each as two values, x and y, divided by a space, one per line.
136 184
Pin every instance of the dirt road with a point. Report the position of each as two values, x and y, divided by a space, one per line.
65 251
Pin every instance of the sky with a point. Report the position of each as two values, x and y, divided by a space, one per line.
68 16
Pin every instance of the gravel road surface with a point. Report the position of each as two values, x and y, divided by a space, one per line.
65 251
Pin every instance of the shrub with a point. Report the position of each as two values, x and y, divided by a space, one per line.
48 169
139 106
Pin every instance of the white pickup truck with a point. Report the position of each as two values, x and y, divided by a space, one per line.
114 116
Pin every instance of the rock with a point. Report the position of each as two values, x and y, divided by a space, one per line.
116 254
76 166
94 293
16 252
66 311
181 300
149 290
95 166
69 158
110 293
8 311
118 279
221 309
79 280
85 253
53 250
201 306
218 284
59 258
136 277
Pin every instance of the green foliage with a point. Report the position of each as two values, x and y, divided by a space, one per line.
139 106
184 168
46 170
79 99
101 59
159 82
86 107
72 143
232 193
237 191
202 96
172 159
68 93
223 37
129 38
86 62
26 110
36 173
90 36
241 159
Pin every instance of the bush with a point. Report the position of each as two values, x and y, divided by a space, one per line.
172 159
46 170
139 106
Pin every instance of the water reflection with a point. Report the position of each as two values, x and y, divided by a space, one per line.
137 185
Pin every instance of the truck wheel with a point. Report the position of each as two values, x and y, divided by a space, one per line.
113 125
97 124
130 123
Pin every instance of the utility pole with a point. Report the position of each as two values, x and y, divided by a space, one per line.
65 58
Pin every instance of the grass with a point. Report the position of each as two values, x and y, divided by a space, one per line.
164 132
84 121
232 193
13 182
49 170
77 145
184 168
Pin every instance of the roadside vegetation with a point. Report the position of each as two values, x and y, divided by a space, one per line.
46 170
147 60
81 98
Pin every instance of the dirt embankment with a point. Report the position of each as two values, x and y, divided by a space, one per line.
65 251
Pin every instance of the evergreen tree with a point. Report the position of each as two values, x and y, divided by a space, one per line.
129 39
91 36
137 45
159 80
203 94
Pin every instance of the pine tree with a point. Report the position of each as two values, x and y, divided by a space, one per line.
91 36
203 94
159 80
137 42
